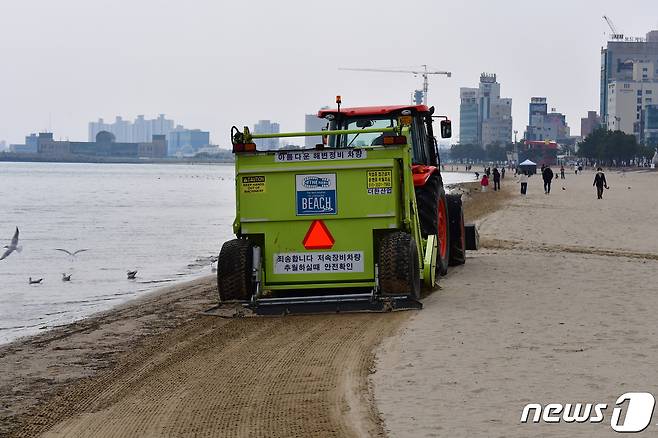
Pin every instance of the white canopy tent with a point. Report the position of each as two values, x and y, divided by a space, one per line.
528 167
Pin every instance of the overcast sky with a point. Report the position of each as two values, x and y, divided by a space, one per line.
211 64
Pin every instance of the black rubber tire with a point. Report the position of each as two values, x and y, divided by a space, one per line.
234 266
444 262
399 267
456 230
427 200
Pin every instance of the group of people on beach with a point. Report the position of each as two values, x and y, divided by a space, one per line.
488 174
547 176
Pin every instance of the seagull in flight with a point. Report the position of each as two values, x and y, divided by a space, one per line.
131 275
66 277
13 246
35 281
71 253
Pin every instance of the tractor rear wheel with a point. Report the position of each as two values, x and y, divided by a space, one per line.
433 212
234 270
399 267
457 233
443 259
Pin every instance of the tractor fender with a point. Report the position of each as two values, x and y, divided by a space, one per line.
422 173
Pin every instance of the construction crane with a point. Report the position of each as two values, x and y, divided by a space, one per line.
615 35
424 73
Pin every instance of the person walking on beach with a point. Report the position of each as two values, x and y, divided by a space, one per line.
484 182
600 183
496 178
547 174
562 172
523 179
502 173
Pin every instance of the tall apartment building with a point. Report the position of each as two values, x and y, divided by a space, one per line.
589 124
544 125
266 127
141 130
617 65
312 123
630 101
484 117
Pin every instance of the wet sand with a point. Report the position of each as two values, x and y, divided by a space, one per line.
558 306
157 367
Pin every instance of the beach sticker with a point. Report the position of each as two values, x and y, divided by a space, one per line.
316 194
380 182
253 184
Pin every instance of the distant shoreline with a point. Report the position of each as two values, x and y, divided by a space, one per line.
9 157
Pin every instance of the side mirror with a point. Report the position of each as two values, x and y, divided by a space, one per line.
446 129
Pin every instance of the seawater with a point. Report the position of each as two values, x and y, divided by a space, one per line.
166 221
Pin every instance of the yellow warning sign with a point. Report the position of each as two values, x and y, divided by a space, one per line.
380 179
253 184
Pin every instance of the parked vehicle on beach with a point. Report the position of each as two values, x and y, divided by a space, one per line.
360 221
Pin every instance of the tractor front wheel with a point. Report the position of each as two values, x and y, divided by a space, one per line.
399 267
234 270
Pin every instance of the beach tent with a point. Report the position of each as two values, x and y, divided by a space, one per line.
528 167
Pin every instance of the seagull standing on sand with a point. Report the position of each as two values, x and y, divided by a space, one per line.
13 246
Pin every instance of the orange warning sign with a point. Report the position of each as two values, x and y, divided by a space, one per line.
318 236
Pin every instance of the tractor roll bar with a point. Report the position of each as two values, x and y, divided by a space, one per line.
238 137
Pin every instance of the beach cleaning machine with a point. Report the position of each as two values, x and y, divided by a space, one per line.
358 221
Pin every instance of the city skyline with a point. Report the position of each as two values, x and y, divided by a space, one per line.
192 75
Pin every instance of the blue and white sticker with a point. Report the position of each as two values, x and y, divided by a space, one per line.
316 194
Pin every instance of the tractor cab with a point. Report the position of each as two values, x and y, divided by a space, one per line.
418 117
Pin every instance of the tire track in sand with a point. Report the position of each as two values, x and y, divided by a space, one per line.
261 377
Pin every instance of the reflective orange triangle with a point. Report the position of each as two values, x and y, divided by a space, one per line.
318 236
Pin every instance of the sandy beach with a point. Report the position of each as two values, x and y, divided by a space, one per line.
556 307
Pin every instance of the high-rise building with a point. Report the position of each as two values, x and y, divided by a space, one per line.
313 123
545 126
469 128
617 65
187 141
629 97
266 127
589 124
484 117
141 130
650 125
